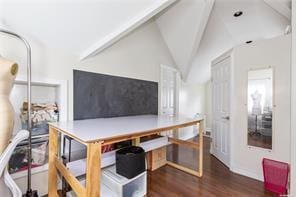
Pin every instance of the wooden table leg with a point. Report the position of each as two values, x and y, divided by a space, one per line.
200 166
93 170
197 146
52 170
175 148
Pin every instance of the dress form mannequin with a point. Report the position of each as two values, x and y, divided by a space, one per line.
257 109
8 71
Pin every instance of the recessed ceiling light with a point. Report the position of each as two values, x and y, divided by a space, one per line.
238 13
249 41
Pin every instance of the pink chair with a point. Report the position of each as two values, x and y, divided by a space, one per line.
276 175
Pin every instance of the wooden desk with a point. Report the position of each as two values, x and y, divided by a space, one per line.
95 133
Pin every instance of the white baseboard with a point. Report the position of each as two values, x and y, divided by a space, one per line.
247 173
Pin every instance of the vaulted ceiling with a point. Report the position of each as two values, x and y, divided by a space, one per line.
82 27
182 27
224 31
195 31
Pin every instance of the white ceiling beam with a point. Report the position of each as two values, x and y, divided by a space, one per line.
201 29
280 7
125 29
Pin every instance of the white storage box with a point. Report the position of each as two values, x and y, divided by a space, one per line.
154 143
123 187
115 185
105 191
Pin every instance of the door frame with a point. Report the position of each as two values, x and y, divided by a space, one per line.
227 54
177 87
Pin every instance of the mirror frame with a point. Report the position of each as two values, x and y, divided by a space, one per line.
273 109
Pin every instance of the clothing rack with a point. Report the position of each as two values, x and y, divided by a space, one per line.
29 193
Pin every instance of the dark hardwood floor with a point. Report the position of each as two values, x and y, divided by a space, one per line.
216 181
260 141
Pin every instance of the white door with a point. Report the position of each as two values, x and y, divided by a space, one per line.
169 91
221 110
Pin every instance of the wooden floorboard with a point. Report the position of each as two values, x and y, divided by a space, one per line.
216 181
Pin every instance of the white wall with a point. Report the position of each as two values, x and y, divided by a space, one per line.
275 52
293 107
208 105
46 62
191 99
191 102
138 55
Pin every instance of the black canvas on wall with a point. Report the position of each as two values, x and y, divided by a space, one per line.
104 96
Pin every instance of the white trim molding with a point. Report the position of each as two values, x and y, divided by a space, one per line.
61 88
246 173
126 28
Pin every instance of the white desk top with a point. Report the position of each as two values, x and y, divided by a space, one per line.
107 128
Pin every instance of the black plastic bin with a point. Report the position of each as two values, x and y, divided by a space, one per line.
130 161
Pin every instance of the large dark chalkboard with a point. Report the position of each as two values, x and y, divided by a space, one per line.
103 96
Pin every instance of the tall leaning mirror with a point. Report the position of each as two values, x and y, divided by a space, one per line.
260 107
